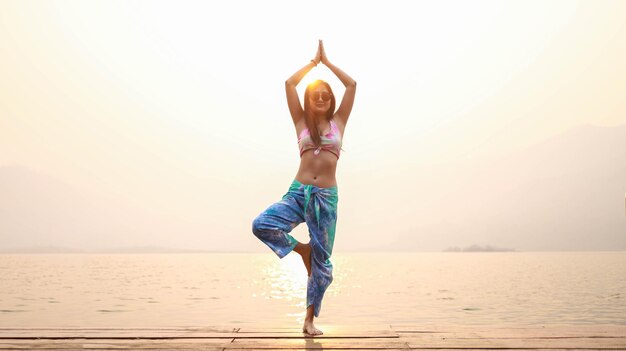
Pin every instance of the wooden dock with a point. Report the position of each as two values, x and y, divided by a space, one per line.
390 337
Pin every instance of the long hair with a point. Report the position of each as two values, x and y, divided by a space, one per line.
309 118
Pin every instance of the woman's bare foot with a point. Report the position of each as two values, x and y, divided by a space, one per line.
305 251
310 329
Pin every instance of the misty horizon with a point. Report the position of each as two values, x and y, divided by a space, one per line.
59 211
165 250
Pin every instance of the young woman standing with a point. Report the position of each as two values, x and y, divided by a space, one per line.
313 194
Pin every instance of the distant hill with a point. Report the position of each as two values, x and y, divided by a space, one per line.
122 250
40 249
478 248
566 193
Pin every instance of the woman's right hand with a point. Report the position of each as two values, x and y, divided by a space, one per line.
323 57
318 55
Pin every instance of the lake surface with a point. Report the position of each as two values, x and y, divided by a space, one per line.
151 290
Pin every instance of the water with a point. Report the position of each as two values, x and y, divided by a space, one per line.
154 290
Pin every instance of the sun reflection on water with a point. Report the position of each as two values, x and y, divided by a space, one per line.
286 279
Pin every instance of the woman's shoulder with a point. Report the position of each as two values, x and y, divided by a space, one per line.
338 123
301 128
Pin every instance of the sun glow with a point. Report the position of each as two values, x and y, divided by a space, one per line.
152 123
320 72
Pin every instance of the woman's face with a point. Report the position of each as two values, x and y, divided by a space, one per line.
319 99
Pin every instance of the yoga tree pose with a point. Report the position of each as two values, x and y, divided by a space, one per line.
313 194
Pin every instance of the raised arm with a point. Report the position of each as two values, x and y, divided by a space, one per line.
295 108
343 112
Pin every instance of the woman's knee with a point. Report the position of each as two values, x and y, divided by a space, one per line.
257 225
262 225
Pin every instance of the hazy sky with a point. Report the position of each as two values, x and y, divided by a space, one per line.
176 109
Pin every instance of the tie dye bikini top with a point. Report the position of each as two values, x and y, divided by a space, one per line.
330 142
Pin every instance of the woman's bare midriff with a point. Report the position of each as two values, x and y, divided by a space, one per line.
318 170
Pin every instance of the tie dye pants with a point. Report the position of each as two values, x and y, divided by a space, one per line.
318 208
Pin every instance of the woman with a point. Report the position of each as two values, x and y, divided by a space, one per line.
312 196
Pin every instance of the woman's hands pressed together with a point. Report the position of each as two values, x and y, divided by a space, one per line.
320 49
320 56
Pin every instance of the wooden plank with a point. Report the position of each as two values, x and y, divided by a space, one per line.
190 344
114 334
319 343
86 331
432 341
143 345
117 337
549 337
189 347
40 345
273 328
326 335
330 331
540 330
537 334
322 336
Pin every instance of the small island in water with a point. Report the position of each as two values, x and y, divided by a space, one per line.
478 248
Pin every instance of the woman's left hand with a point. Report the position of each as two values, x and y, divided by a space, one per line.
324 59
318 55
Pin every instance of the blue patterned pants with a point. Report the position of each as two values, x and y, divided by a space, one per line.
318 208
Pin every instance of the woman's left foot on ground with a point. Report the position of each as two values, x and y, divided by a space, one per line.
310 329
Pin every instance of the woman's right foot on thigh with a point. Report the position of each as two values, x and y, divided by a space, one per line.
305 251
